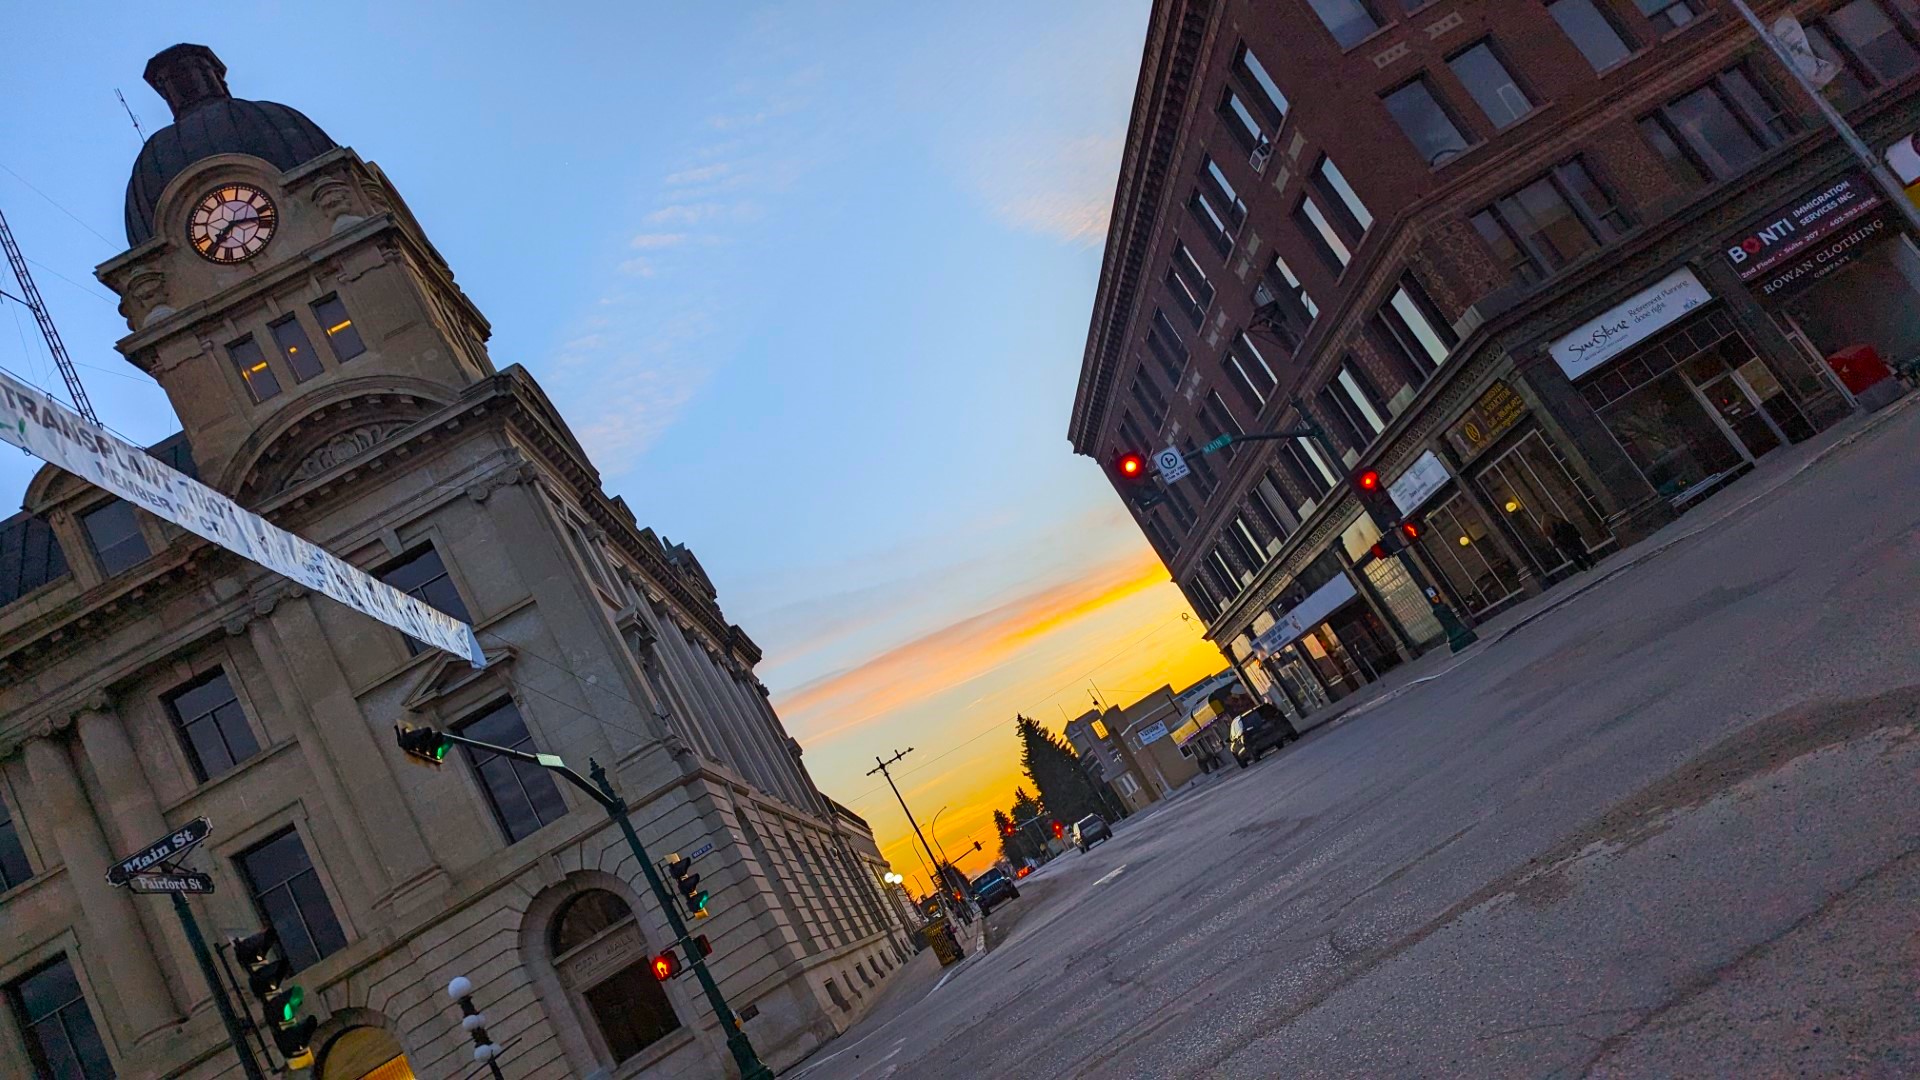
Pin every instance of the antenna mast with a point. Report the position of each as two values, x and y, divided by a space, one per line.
30 296
136 120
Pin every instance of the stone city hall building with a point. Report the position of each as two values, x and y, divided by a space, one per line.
1555 269
331 376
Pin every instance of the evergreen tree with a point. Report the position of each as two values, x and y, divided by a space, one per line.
1065 791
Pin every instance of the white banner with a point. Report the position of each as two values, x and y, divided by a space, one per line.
56 434
1307 614
1424 477
1636 319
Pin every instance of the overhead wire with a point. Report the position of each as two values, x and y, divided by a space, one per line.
56 205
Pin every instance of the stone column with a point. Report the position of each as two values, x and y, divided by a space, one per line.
114 941
129 800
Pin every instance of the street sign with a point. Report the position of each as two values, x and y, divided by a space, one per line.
186 882
1172 465
703 849
1220 442
165 849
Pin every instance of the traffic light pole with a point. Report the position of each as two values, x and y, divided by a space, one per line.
600 790
205 956
1459 635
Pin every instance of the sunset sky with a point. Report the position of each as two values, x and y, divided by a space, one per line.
811 281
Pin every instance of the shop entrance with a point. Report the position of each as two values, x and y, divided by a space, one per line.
1740 411
1532 487
1477 569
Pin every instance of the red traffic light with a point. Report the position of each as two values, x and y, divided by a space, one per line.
666 966
1132 464
1058 830
1130 468
1368 480
1379 551
1412 530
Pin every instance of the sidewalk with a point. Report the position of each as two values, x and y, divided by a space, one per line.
1776 472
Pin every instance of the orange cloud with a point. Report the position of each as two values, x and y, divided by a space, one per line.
956 654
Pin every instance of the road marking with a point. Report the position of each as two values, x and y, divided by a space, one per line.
1109 877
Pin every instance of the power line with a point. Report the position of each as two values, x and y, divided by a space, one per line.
82 223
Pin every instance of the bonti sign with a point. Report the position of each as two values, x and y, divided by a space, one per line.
56 434
1797 228
165 849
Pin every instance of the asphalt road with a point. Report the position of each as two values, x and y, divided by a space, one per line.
1671 828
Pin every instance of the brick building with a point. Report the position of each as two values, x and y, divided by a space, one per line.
331 376
1551 267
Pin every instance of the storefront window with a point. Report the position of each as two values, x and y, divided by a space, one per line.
1404 600
1668 434
1534 490
1475 565
1873 300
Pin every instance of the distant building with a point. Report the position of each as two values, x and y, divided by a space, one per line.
1108 756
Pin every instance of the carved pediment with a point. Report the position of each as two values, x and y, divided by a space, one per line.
332 435
441 683
342 448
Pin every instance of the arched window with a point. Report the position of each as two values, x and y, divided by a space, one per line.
604 965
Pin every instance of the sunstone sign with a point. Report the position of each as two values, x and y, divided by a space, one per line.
56 434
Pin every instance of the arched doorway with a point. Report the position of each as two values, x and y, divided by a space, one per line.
364 1053
606 970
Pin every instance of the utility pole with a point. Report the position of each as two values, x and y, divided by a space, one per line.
1889 184
882 768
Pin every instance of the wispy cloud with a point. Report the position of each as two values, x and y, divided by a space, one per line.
684 214
650 240
960 652
699 174
1057 188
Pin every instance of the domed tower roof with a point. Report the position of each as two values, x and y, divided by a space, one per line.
208 120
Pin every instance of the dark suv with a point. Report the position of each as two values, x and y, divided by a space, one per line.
992 888
1253 734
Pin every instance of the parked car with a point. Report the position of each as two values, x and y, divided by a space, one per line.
1253 734
1090 830
992 888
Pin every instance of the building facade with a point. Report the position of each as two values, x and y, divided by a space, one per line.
331 376
1558 270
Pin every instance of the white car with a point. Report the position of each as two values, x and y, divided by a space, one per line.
1090 830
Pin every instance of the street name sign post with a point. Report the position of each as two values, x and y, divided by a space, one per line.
56 434
153 870
1172 465
703 849
164 850
182 881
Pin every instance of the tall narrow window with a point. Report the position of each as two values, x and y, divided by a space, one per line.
1343 202
1231 576
1295 301
1215 178
1219 231
14 867
1591 31
1871 45
523 797
342 337
1248 543
1164 342
290 899
251 363
1427 124
1668 15
1153 405
114 533
211 724
1252 375
291 338
1216 415
1370 409
1274 102
424 577
1321 235
63 1043
1338 418
1349 21
1247 129
1414 332
1493 87
1269 505
1200 595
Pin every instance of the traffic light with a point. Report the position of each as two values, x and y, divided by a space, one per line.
1397 539
1370 488
688 884
976 846
1131 467
1059 831
422 744
279 1001
666 965
705 947
1007 829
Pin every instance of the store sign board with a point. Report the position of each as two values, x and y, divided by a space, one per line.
1424 477
56 434
1307 614
1644 314
1834 252
1152 733
1792 230
1487 419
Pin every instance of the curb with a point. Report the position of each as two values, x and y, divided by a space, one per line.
1873 423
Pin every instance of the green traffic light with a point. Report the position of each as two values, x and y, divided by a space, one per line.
699 901
290 1006
440 750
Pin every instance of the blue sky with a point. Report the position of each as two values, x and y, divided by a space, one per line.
811 280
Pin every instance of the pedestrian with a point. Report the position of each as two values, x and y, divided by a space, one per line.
1571 544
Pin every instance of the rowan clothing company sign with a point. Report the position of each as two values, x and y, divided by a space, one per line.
1793 230
1642 315
1834 251
56 434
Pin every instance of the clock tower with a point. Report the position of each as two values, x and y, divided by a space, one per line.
279 289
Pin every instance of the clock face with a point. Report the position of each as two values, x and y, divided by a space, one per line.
232 224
